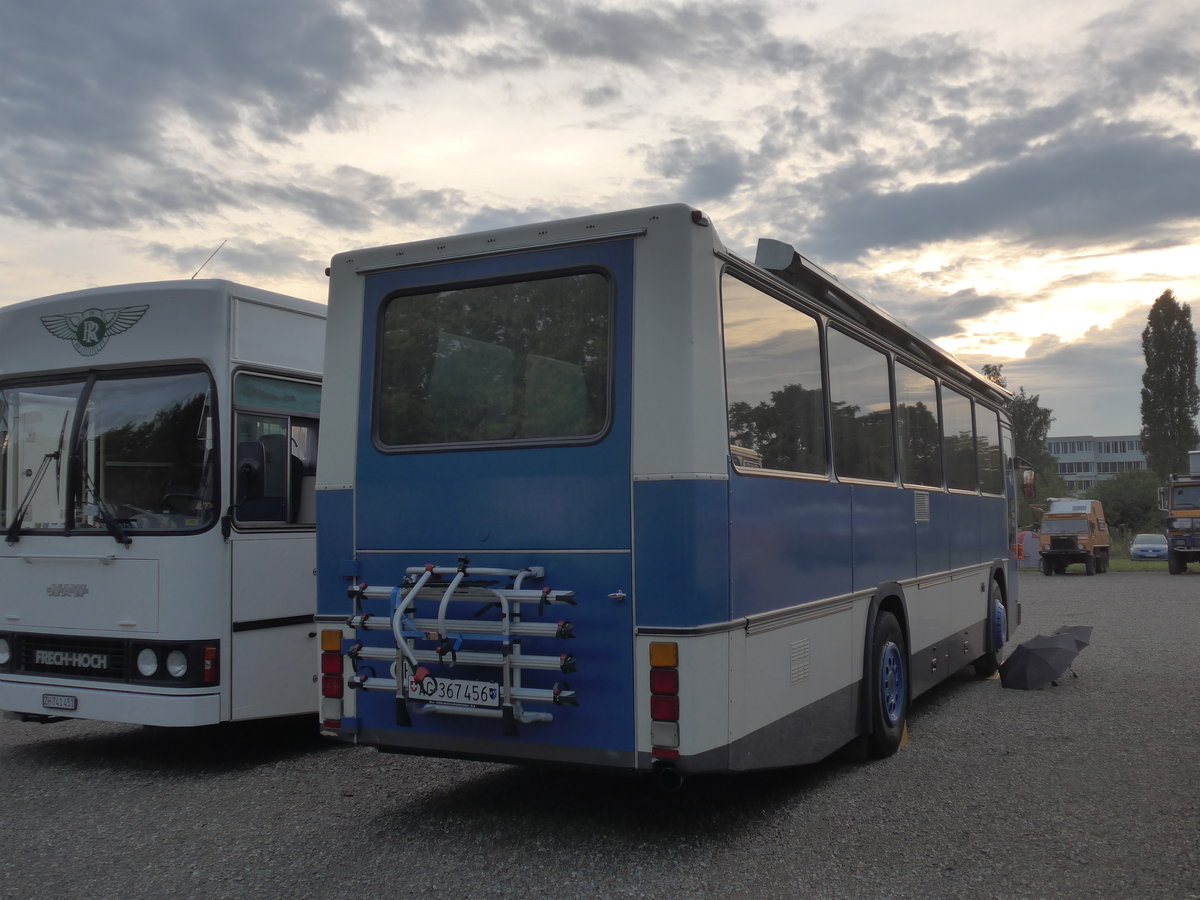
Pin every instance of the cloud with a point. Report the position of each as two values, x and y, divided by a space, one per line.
1093 186
242 259
1092 385
701 169
114 71
109 109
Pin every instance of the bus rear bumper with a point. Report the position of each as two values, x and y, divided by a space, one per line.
40 700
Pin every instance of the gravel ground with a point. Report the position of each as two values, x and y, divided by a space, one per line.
1087 789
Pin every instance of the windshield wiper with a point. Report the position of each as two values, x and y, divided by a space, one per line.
110 521
14 530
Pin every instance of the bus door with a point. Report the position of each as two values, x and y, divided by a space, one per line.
492 506
274 457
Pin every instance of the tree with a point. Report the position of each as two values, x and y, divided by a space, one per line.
1130 501
1170 397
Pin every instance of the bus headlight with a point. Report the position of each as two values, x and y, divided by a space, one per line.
147 662
177 663
5 651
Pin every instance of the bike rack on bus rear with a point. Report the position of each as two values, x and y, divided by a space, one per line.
439 640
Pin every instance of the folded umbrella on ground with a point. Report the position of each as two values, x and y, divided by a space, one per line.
1038 661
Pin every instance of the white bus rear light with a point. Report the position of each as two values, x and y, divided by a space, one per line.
331 713
664 734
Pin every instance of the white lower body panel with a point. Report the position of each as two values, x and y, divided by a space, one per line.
109 704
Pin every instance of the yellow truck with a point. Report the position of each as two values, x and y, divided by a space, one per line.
1074 531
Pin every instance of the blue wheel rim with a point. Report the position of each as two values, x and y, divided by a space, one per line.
999 626
891 683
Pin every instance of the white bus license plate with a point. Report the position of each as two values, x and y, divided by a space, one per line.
460 693
59 701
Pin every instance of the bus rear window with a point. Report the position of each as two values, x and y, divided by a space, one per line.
517 361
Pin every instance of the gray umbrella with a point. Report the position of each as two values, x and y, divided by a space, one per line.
1081 633
1038 661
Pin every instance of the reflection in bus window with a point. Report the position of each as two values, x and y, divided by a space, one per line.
959 442
920 432
860 400
991 468
519 361
143 455
773 376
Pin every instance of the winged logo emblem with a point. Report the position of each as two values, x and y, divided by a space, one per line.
89 331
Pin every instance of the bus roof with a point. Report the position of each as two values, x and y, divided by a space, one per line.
199 285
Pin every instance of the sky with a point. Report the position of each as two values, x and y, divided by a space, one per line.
1017 181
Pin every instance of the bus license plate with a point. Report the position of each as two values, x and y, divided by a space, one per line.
59 701
459 693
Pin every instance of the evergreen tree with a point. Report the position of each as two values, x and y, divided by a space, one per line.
1170 397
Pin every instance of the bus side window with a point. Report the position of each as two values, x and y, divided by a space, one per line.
275 426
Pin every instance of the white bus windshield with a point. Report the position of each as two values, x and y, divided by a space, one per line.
131 451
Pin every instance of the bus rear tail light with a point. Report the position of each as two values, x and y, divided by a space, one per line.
332 685
664 700
664 709
664 681
208 671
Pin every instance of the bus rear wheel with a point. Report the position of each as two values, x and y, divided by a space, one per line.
889 687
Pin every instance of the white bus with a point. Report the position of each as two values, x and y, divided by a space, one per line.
600 492
158 451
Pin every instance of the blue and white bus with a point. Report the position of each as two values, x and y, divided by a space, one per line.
599 492
158 447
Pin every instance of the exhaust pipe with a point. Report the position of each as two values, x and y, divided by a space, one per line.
669 778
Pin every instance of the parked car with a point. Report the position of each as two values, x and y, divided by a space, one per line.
1148 546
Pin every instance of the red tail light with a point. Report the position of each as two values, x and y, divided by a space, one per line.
664 681
331 664
210 665
331 686
664 708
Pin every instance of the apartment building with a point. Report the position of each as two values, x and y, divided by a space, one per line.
1085 459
